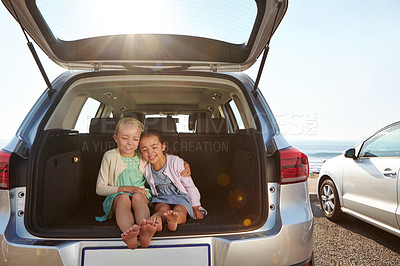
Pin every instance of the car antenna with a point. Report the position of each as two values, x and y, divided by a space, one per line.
266 50
35 56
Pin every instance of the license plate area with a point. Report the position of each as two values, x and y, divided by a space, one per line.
176 255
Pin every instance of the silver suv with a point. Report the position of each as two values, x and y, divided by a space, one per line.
176 66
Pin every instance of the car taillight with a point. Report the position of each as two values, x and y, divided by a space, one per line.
4 167
294 166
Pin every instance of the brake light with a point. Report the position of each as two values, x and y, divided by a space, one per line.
294 166
4 167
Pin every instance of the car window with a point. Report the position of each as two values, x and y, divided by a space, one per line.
88 112
236 115
384 144
230 21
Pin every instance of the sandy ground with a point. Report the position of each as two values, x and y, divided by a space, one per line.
312 183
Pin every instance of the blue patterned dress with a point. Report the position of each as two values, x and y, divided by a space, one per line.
168 192
131 176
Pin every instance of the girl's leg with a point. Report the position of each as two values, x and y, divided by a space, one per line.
125 221
141 211
175 217
123 213
140 207
159 209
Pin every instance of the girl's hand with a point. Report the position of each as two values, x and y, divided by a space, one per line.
186 172
132 189
197 213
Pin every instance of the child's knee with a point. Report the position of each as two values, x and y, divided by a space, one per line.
122 199
162 207
139 197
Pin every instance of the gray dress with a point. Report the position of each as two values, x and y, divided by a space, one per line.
168 192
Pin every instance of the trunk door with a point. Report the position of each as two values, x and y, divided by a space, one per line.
211 35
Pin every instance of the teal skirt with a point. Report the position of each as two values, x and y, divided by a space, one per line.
108 203
107 207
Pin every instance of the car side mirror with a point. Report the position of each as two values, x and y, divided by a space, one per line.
350 153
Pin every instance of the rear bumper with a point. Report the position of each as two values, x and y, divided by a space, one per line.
287 247
286 239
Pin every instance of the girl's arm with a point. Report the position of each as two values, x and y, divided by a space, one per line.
187 182
102 186
132 189
192 191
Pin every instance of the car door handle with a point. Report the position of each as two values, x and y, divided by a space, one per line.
389 172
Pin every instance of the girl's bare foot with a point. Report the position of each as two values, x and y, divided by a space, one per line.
157 219
130 237
147 229
172 219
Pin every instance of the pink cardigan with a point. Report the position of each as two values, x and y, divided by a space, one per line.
173 170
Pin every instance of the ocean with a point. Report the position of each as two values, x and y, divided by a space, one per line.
319 151
3 142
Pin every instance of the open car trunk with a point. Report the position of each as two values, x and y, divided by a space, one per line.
226 166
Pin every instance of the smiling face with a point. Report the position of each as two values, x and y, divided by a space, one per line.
127 139
153 150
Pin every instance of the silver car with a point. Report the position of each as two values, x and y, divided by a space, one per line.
176 66
364 181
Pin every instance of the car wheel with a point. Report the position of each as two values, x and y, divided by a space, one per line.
329 201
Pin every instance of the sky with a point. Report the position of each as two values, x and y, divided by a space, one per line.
331 74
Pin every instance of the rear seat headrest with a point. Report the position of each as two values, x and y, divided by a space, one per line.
210 125
137 115
162 124
194 117
103 125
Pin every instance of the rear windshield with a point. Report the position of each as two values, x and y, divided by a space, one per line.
230 21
